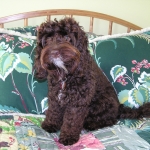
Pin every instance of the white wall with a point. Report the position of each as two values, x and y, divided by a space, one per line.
135 11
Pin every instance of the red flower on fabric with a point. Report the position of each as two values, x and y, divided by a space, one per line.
144 62
139 65
20 119
134 62
23 45
8 38
135 70
122 80
85 141
12 140
17 124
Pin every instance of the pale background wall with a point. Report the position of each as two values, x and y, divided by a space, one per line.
135 11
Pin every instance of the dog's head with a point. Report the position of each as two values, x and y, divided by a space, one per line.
60 57
60 46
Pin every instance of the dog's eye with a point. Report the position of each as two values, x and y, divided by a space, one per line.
51 66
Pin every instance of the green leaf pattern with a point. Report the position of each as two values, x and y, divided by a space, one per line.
26 40
144 77
135 97
3 46
20 62
144 36
25 64
8 61
123 97
7 109
44 104
117 71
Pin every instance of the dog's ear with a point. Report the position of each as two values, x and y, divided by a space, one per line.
40 72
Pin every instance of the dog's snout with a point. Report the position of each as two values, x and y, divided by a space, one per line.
55 54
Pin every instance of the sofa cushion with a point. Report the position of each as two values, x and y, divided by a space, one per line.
20 91
125 60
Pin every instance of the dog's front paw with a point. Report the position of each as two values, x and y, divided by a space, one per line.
49 127
68 140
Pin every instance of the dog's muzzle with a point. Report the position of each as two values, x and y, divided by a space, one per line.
60 55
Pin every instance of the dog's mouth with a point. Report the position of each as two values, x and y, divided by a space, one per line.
61 57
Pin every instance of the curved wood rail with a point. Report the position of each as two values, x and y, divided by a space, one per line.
71 13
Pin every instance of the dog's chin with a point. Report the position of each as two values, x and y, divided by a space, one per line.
60 69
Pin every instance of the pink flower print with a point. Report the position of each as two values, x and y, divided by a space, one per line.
135 70
26 44
132 69
144 62
90 141
134 62
17 124
11 141
8 38
122 80
4 35
23 45
119 79
139 65
146 66
20 118
85 141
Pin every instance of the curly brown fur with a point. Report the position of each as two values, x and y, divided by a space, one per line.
80 96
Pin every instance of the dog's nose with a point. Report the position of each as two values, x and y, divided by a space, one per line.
55 54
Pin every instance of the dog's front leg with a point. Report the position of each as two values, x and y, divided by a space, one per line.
72 124
54 117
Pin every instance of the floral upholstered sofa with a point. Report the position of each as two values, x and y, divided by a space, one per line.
124 59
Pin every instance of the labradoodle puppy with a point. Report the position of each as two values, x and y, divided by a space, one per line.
80 96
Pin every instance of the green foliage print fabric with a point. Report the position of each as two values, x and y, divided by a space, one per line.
29 30
20 92
125 60
126 63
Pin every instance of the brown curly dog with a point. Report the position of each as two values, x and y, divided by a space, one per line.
80 95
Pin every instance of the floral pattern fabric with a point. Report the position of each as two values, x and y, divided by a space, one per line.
19 88
23 132
29 30
125 60
21 92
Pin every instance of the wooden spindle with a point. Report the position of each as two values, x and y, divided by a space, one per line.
70 16
48 18
128 30
110 28
91 24
25 22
